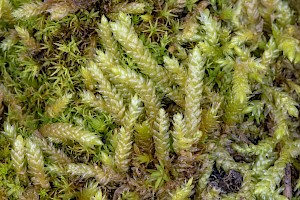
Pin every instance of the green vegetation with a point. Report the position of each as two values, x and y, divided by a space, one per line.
176 99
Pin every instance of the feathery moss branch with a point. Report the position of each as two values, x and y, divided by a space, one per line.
66 131
18 158
124 142
35 161
161 137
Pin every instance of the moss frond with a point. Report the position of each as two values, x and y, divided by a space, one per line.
124 137
65 131
58 106
193 91
56 155
28 10
184 192
161 137
18 158
35 161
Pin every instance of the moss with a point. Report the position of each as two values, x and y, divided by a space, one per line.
176 99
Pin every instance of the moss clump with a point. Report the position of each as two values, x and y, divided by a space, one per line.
177 99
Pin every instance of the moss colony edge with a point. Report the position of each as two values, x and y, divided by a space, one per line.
176 99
